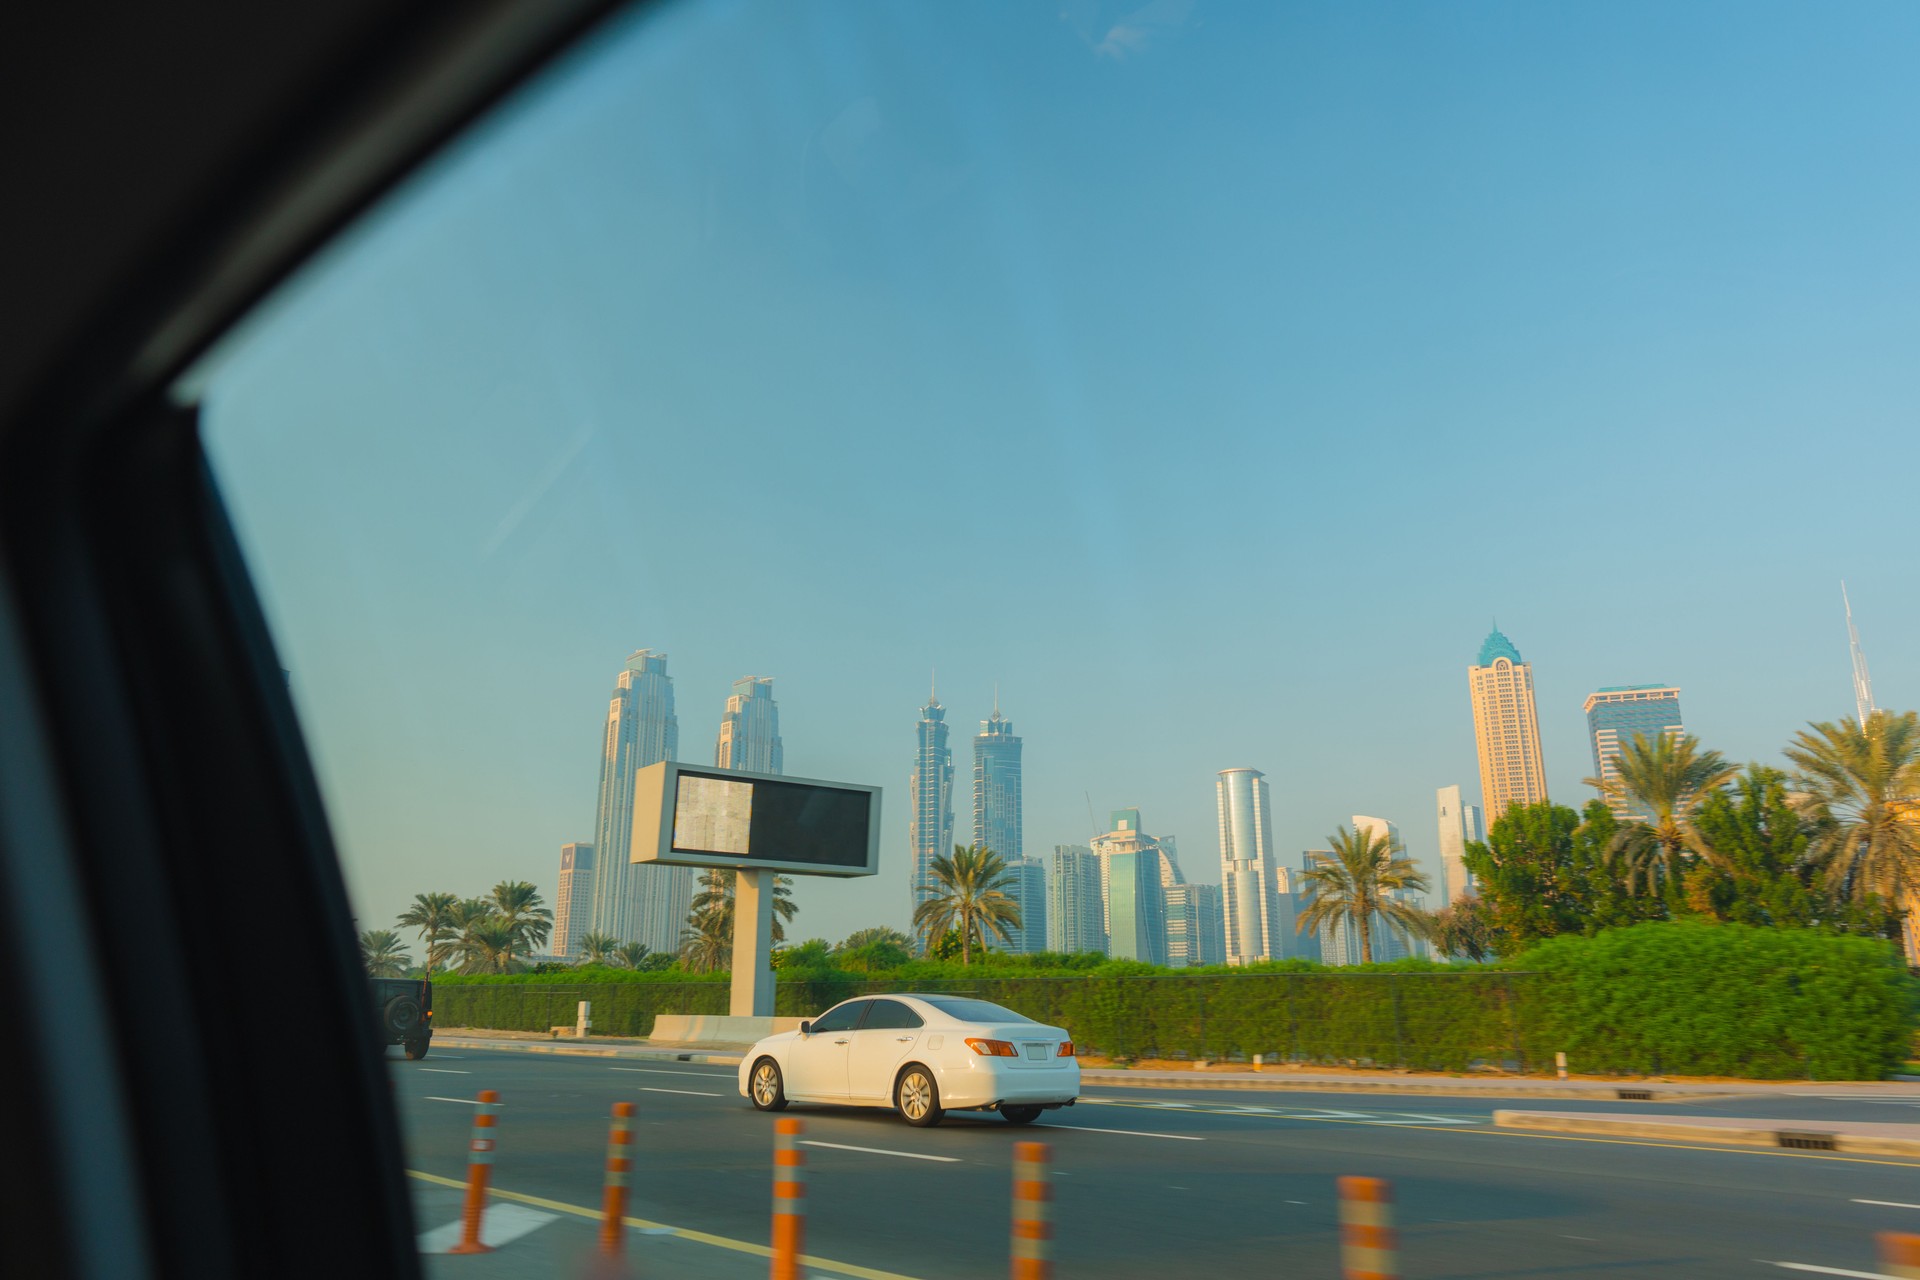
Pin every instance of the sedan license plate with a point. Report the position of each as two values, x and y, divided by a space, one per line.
1036 1053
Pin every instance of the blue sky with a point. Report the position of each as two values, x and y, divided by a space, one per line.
1208 376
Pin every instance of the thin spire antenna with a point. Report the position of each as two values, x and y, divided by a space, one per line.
1092 822
1862 682
933 684
996 699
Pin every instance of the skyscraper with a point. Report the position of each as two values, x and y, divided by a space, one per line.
750 728
930 798
1255 926
1195 925
996 788
1506 729
646 903
1076 915
1030 891
1459 826
1619 713
573 901
1135 904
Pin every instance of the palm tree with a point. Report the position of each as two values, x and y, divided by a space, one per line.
1664 782
707 945
627 955
969 893
1462 930
1352 884
595 948
433 915
1859 788
384 954
717 893
487 946
516 903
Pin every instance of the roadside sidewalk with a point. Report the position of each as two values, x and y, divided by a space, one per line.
1276 1080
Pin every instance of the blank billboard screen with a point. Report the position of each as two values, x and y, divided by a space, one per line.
771 821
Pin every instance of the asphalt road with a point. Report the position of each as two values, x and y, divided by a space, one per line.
1149 1182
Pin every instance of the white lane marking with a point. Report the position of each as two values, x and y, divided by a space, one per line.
661 1071
697 1093
504 1221
469 1102
1891 1204
880 1151
1828 1271
1436 1119
1131 1133
446 1071
454 1056
1588 1239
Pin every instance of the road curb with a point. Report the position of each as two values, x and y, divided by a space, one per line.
1842 1136
1517 1089
712 1057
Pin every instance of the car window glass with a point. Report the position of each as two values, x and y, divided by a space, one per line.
890 1015
968 1010
842 1017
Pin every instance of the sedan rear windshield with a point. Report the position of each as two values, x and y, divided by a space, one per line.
974 1010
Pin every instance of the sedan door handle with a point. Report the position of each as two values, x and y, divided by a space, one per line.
839 1041
904 1039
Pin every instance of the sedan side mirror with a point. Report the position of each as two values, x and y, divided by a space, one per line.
806 1028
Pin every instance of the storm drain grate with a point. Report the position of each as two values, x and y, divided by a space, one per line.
1805 1141
1635 1095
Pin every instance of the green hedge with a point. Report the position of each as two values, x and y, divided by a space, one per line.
1679 998
1697 998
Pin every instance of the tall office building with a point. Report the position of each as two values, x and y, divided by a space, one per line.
1030 891
929 798
1619 713
573 900
1196 933
646 903
1506 729
1076 914
1459 826
1257 925
996 788
750 729
1135 912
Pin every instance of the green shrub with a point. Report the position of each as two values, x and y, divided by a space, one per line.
1698 998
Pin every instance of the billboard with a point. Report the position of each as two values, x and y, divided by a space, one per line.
694 816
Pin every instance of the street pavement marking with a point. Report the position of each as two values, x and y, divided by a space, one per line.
696 1093
507 1222
880 1151
465 1102
1891 1204
1828 1271
1131 1133
662 1071
661 1228
447 1071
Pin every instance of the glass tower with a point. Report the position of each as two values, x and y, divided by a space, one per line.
1030 891
930 797
1618 712
750 728
1459 826
647 903
996 788
1076 920
1506 729
1255 925
573 902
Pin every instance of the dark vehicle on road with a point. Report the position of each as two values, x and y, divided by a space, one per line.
406 1013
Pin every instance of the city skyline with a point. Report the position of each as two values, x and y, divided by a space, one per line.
466 454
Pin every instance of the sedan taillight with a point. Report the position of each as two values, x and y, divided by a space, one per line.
991 1048
1066 1048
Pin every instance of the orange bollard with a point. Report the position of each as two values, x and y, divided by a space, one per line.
1369 1250
479 1164
613 1206
789 1199
1032 1212
1900 1254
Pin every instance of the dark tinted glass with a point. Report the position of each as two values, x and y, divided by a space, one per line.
974 1010
843 1017
891 1015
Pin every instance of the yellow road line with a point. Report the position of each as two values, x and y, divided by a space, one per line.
1519 1133
698 1237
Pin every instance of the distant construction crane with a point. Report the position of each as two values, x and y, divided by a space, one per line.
1862 682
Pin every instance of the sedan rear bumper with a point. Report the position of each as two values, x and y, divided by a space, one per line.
987 1083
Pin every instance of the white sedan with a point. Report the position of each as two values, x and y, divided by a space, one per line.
924 1055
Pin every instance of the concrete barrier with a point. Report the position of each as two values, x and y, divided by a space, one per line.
1862 1137
695 1029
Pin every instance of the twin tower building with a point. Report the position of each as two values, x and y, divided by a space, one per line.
600 890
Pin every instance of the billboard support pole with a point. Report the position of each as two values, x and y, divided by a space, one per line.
752 995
